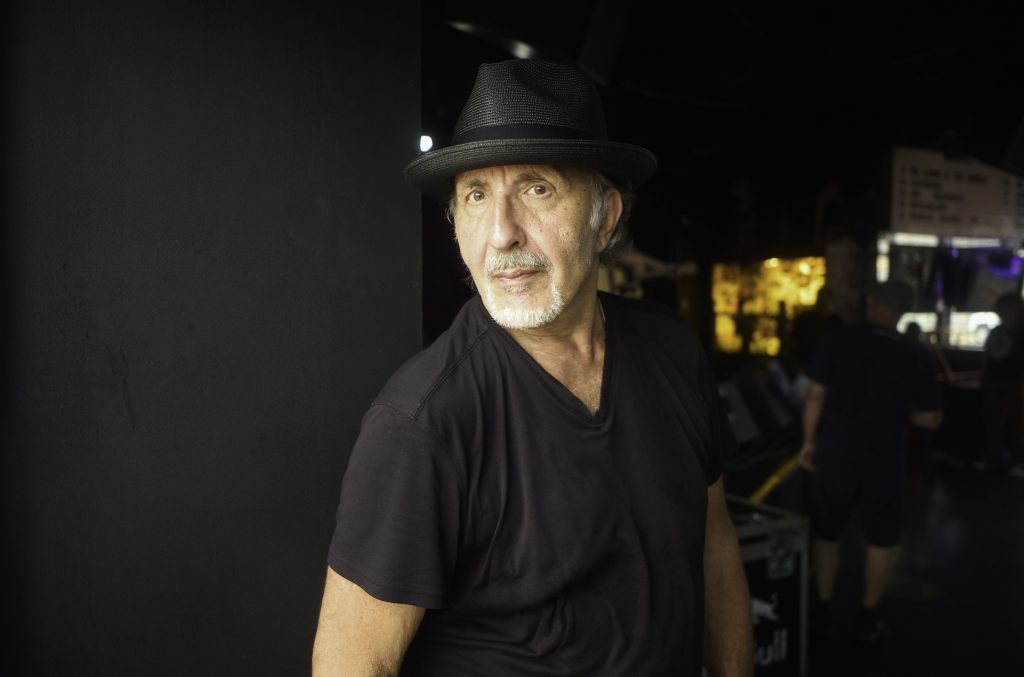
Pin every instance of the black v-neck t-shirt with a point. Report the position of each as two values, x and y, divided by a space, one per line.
542 540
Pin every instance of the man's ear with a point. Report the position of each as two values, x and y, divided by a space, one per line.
612 212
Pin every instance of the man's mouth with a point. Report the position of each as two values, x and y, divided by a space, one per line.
515 274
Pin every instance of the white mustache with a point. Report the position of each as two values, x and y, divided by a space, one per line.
516 258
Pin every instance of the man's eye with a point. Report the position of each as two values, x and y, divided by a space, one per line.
538 189
476 196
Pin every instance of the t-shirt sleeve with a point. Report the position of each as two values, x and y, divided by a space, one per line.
397 524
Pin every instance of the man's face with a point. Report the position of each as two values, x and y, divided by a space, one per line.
528 237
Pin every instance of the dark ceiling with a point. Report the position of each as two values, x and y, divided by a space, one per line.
760 115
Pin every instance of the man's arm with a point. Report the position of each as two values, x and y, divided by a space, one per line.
811 415
728 628
360 635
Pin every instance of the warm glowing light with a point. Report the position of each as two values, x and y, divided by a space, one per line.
426 143
727 339
753 303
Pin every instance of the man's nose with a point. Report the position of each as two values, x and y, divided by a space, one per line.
506 230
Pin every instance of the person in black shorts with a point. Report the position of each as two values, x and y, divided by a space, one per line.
539 491
869 383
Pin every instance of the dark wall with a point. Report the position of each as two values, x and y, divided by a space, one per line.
215 264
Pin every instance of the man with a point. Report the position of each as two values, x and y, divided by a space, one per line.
1002 389
539 491
868 383
810 329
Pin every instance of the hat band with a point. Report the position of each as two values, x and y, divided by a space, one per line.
521 131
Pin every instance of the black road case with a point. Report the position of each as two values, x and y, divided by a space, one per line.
774 548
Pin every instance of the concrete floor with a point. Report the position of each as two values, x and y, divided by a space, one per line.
956 596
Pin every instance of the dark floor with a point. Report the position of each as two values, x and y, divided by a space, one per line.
956 596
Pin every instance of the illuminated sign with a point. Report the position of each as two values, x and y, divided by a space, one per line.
932 193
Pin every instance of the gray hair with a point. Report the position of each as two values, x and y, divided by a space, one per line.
620 239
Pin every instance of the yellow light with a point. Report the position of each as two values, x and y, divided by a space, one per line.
725 334
881 267
770 294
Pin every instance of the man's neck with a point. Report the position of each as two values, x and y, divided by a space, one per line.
571 350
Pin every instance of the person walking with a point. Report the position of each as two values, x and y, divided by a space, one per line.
868 384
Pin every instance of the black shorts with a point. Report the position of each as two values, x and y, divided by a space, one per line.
875 492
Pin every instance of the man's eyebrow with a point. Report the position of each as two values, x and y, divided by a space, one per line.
533 175
475 182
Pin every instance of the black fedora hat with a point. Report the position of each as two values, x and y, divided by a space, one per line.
529 111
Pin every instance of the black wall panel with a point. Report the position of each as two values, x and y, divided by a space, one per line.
214 264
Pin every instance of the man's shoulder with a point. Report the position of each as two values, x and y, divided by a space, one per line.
1002 343
844 341
650 319
1003 333
656 336
855 330
421 376
894 351
859 335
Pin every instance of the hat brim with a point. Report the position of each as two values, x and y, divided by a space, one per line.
433 171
